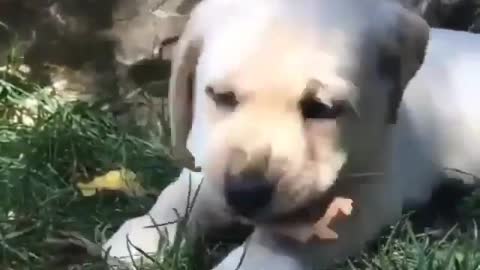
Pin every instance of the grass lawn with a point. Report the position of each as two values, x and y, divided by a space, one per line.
45 222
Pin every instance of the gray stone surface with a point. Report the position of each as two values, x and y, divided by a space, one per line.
108 50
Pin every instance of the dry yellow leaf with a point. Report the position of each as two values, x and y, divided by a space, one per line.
339 206
122 180
304 232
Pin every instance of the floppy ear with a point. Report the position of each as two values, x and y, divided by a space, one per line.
402 55
180 93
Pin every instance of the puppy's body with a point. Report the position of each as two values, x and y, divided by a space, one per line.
270 50
437 127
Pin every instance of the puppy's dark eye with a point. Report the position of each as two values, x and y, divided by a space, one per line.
226 99
314 109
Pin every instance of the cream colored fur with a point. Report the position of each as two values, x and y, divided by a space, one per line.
268 53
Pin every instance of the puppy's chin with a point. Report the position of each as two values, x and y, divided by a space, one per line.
304 211
269 215
259 219
263 216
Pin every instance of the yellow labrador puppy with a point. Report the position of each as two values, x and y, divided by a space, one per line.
280 105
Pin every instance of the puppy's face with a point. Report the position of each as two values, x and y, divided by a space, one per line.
298 111
272 151
285 123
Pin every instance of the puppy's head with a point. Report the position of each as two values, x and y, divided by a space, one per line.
307 103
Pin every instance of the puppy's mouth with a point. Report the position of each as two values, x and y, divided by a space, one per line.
254 203
311 211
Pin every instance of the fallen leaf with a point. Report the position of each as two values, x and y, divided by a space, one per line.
304 232
122 180
339 206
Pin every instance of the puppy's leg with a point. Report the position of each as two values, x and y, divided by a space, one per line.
375 206
260 253
144 232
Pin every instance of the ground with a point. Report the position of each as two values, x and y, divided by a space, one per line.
47 146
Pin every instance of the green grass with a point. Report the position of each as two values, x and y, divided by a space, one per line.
402 249
45 222
40 162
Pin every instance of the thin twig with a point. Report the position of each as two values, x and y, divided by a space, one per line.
157 225
143 253
130 253
244 254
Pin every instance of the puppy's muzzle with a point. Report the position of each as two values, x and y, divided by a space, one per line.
248 192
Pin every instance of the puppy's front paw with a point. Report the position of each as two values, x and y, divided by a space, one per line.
258 257
131 241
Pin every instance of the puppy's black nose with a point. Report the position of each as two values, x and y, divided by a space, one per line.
248 196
